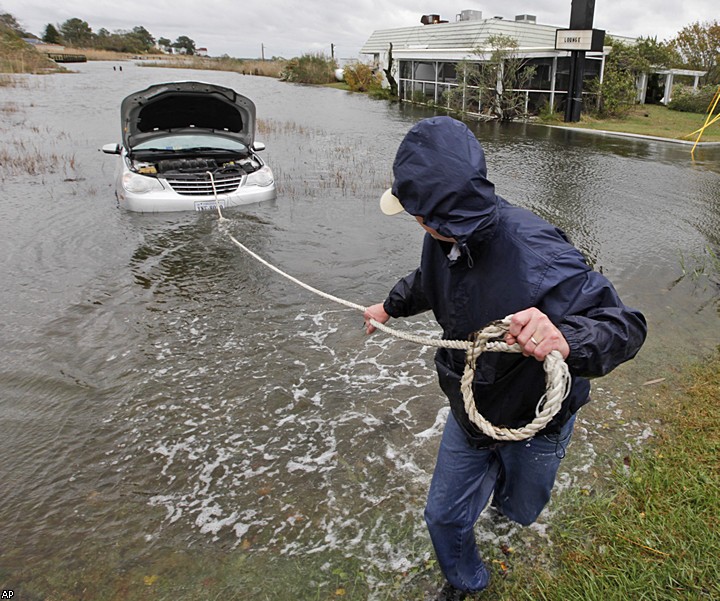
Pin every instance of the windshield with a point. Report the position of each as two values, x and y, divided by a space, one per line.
192 142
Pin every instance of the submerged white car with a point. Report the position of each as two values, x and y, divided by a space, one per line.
187 146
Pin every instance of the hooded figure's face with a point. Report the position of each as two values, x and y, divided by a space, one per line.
433 232
440 175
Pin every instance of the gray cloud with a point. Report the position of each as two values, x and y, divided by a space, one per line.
286 28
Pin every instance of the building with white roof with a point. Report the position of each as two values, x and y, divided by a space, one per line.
423 59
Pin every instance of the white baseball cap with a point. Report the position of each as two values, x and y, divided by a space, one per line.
390 204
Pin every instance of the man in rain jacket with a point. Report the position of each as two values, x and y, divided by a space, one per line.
482 260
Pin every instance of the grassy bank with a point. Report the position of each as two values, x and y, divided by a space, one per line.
651 120
656 534
16 56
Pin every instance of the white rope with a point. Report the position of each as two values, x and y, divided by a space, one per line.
489 339
557 383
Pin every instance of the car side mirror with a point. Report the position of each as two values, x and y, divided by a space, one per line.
111 148
258 146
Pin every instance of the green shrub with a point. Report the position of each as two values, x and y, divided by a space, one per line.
687 100
361 77
615 96
310 68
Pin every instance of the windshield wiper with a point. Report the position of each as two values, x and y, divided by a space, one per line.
204 149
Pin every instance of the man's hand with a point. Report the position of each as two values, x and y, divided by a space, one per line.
536 334
376 312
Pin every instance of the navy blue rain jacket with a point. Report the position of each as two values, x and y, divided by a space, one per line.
510 260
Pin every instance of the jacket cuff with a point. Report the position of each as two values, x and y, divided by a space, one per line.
389 309
574 342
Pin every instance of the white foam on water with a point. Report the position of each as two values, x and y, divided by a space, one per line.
309 447
437 428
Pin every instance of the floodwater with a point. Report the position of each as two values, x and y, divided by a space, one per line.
179 422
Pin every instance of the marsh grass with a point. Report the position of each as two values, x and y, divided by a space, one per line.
337 165
702 268
269 68
9 81
23 157
33 161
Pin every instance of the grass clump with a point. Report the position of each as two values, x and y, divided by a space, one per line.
310 68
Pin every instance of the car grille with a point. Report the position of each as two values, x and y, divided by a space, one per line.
193 186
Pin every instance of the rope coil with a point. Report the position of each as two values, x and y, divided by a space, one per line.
489 339
557 383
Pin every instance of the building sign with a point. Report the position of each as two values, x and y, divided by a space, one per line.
580 39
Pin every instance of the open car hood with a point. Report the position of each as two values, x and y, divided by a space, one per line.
186 107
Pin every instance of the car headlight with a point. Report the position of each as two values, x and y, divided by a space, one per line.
140 184
261 177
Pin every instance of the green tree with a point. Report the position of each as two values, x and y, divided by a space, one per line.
617 93
185 43
164 43
699 46
465 98
77 32
658 54
503 74
141 36
51 35
489 87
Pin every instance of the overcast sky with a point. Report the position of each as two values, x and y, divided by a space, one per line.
290 28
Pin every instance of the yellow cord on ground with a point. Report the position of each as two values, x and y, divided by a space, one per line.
708 121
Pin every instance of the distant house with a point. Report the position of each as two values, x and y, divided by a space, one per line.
201 51
424 58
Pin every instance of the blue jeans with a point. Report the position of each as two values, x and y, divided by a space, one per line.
520 475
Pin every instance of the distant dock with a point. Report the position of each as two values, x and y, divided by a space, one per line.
60 57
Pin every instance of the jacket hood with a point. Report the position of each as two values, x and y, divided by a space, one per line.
439 174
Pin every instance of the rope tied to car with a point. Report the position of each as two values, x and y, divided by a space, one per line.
489 339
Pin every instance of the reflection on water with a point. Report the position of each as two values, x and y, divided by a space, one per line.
164 391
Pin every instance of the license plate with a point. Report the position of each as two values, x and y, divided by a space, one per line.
209 205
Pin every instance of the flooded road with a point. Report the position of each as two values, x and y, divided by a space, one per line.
179 422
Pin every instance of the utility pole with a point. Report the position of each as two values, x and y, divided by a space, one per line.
332 51
581 18
262 51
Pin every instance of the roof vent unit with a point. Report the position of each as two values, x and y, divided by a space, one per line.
470 15
526 18
431 19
